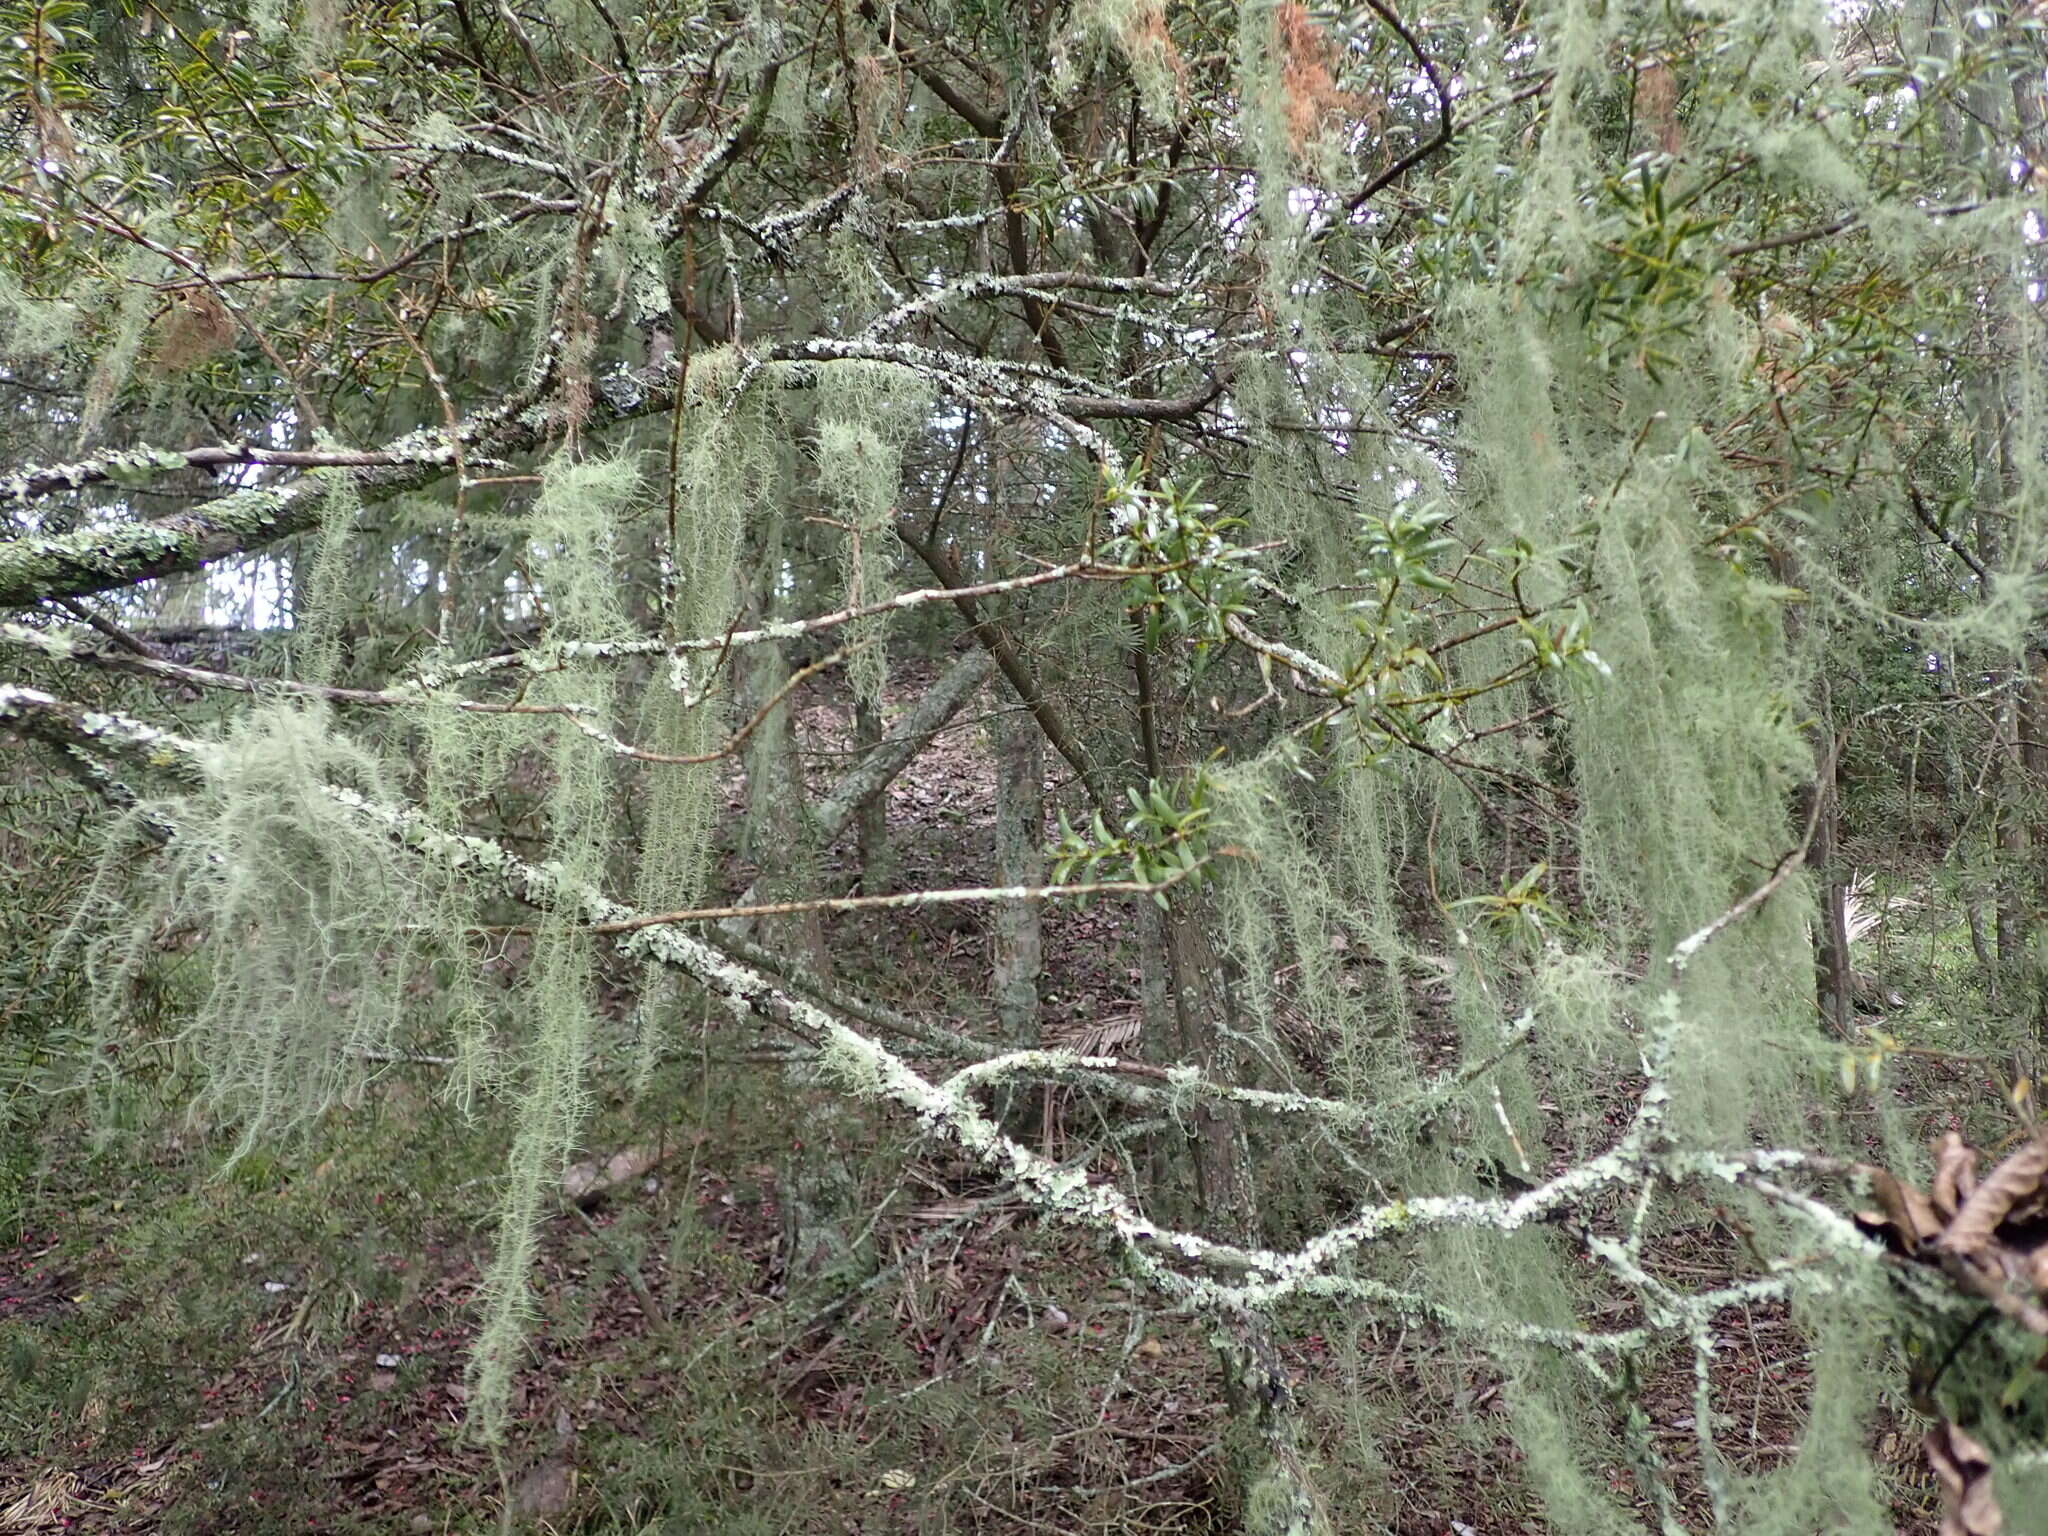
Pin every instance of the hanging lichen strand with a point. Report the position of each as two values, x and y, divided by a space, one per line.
572 542
729 471
551 1100
311 928
1593 402
867 412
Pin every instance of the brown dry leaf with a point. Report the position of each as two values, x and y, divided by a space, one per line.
1963 1468
1955 1174
1907 1214
584 1182
2016 1179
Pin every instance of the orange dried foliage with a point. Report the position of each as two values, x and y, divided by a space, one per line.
876 92
193 328
1147 44
1308 75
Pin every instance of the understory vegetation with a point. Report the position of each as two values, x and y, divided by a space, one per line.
1089 765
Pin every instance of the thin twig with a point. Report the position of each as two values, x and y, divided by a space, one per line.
907 899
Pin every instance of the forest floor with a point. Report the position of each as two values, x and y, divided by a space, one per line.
283 1347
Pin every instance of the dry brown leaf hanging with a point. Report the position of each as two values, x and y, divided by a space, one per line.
1963 1468
1955 1174
2013 1184
1989 1235
1906 1214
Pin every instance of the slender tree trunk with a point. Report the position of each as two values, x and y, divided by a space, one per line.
2014 776
871 822
1997 116
1164 1036
1204 1007
1020 860
1980 945
1836 980
778 839
1819 805
1191 1018
1019 744
1159 1033
777 836
2030 723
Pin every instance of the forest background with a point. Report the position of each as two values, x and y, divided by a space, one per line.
827 765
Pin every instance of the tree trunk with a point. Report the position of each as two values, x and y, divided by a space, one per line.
1836 969
871 823
778 837
1020 860
1995 116
1190 1012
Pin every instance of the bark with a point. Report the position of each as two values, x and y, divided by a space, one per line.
779 836
1997 115
1204 1008
1980 946
37 568
40 567
1835 972
871 823
1020 860
2013 775
1191 1018
908 737
1161 1039
102 559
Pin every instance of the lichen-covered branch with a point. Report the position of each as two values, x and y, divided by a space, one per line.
38 567
582 717
1185 1266
554 657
